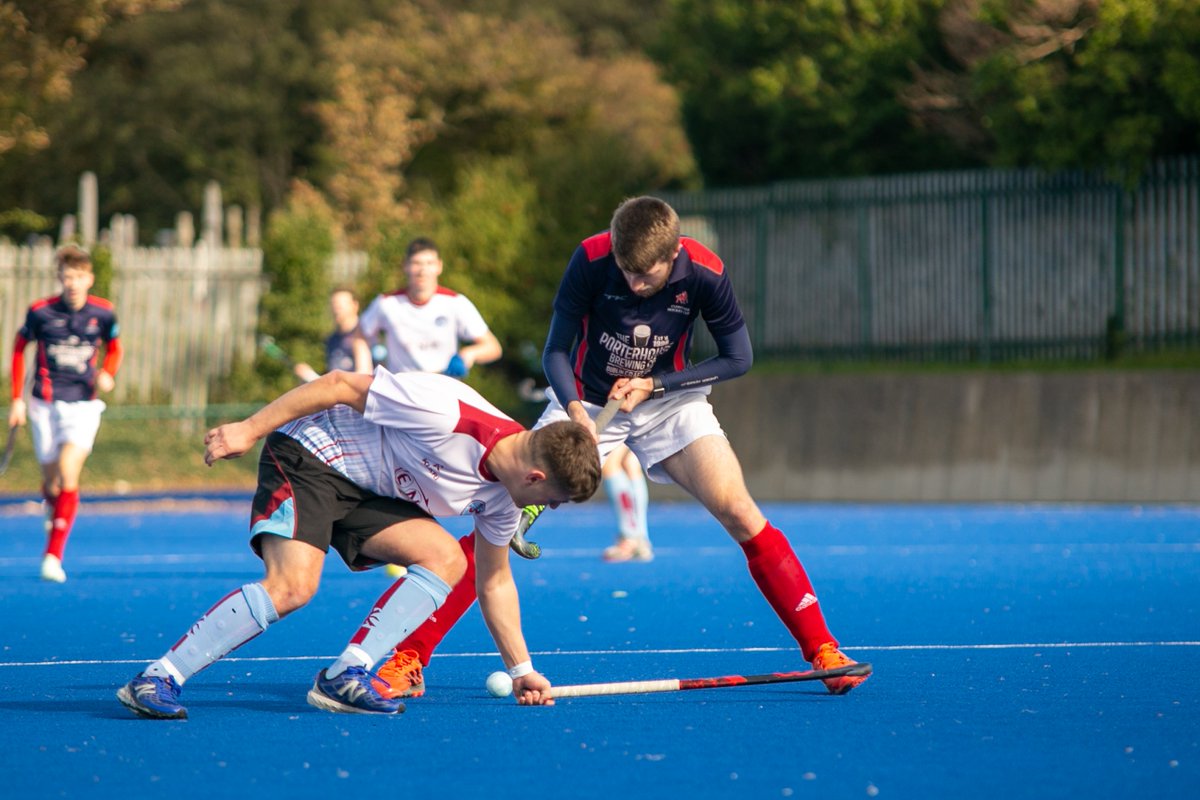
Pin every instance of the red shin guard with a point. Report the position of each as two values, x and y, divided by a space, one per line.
429 635
783 581
65 507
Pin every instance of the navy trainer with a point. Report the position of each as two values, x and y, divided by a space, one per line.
153 697
351 692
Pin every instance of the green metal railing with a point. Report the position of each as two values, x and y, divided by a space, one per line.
979 265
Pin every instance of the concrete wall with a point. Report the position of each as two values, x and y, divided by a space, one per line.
1101 436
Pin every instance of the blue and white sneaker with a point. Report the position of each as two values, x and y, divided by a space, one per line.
351 693
153 697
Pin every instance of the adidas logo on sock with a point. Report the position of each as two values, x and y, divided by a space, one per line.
806 601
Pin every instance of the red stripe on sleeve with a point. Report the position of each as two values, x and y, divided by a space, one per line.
113 353
18 366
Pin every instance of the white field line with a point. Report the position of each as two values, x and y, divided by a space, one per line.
670 651
555 553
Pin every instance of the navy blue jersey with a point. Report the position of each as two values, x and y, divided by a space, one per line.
614 333
68 344
339 351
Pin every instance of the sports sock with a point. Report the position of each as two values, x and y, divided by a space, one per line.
620 493
782 580
398 611
429 635
65 507
236 619
641 501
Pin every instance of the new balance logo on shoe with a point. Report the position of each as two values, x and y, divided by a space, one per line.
806 601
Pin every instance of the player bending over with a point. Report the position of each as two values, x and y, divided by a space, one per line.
363 464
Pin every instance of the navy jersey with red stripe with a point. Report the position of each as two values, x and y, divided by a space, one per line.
68 344
339 351
623 335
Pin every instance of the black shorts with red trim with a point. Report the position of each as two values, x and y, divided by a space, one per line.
300 497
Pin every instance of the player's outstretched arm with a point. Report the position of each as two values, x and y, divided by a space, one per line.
502 613
327 391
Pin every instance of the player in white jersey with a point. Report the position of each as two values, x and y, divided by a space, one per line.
427 327
363 464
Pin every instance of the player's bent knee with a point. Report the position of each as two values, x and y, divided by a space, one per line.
449 564
291 593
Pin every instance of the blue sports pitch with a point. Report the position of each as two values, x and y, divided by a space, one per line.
1019 651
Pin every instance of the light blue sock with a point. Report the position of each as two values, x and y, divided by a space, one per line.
234 620
641 501
396 614
619 490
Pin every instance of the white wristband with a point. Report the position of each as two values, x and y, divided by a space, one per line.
520 670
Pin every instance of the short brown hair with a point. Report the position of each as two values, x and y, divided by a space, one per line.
420 245
72 256
645 231
567 453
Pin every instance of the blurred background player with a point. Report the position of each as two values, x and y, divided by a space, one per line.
427 327
63 411
344 348
625 486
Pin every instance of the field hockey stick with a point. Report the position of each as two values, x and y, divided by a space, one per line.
274 351
8 449
684 684
529 514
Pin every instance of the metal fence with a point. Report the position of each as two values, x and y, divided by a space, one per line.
185 314
980 265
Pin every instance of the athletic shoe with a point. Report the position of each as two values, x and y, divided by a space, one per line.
629 550
153 697
829 657
351 692
52 569
395 571
401 676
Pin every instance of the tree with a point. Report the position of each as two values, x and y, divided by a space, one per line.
779 89
42 45
208 90
1066 83
433 89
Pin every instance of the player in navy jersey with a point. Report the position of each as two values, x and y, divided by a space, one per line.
63 410
344 348
623 326
365 464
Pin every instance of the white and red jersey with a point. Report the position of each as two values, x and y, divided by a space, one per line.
423 438
422 337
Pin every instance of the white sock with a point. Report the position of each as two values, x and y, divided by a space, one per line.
641 500
236 619
396 614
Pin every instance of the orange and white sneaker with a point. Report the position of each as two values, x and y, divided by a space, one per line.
829 657
629 549
402 674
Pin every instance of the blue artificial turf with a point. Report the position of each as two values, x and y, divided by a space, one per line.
1020 651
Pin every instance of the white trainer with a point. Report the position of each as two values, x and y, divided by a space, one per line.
52 569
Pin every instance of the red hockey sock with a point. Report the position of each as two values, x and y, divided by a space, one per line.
782 580
65 507
429 635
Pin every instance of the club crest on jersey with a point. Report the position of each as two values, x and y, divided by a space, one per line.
408 489
680 306
476 507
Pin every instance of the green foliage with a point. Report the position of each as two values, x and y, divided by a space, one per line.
296 250
1111 84
102 269
781 89
18 224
